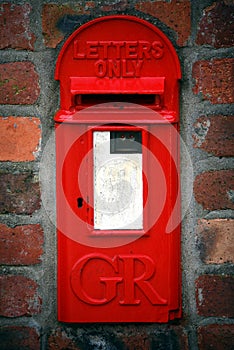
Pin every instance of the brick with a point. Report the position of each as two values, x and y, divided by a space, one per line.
20 138
19 337
22 245
216 241
19 296
19 83
216 337
214 134
59 21
176 14
15 27
59 340
214 80
214 189
19 193
213 29
215 295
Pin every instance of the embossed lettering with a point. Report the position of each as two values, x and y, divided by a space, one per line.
144 50
109 282
126 70
137 67
118 68
121 269
131 281
100 68
157 49
92 49
131 49
78 50
141 49
118 58
104 45
114 68
117 45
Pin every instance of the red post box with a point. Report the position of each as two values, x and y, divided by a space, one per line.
117 151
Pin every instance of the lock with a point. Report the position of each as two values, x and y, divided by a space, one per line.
117 177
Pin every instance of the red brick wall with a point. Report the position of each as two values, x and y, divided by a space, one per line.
32 33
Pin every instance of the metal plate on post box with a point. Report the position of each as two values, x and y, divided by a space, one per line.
118 190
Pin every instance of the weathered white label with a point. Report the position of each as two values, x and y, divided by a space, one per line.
118 189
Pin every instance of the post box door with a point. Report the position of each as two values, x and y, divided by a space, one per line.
117 266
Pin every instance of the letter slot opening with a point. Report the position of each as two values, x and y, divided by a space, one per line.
93 99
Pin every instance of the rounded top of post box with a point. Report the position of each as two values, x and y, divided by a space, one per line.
118 58
135 37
